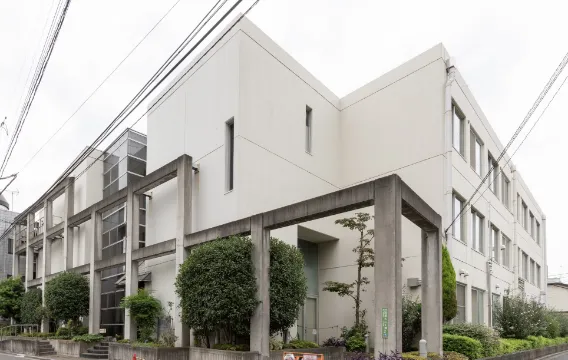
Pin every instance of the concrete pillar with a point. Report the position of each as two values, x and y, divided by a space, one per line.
29 250
183 227
388 266
68 210
47 223
15 257
432 291
132 238
260 321
95 254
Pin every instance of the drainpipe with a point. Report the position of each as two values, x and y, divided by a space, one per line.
448 149
515 224
490 269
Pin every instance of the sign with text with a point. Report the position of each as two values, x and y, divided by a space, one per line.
385 323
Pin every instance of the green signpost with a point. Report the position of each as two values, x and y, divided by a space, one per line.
385 323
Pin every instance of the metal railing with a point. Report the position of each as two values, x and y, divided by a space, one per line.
14 330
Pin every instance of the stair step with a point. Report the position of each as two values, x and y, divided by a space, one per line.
104 343
41 353
101 347
94 356
98 351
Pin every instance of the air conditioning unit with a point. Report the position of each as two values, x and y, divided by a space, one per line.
413 282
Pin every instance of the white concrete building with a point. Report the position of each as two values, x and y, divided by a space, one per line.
264 133
557 295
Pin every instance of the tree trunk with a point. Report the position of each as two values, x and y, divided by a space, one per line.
358 293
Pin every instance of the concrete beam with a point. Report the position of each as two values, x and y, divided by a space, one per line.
36 239
55 231
68 210
163 248
101 206
35 282
183 226
110 262
239 227
337 202
432 290
159 176
418 211
388 266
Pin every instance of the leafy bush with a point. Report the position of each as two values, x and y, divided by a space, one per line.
168 337
64 331
123 341
416 355
31 309
514 345
231 347
145 310
451 355
81 330
520 317
275 344
464 345
11 292
67 297
334 342
563 323
89 338
552 325
356 343
300 344
449 300
411 321
486 336
148 344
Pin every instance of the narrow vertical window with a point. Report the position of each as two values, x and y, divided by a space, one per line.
459 224
538 232
475 152
505 191
538 283
308 129
229 154
494 244
458 129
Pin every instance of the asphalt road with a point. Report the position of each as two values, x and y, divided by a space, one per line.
561 356
4 356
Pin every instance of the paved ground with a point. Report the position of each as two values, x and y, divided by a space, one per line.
561 356
10 356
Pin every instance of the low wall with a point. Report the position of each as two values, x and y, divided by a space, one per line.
20 346
196 353
532 354
69 347
329 353
118 351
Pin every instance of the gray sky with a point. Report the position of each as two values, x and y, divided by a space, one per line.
506 51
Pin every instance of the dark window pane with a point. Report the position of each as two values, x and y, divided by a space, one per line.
137 166
142 202
142 233
106 192
137 149
121 232
114 173
121 216
106 179
142 217
137 137
113 236
106 238
107 285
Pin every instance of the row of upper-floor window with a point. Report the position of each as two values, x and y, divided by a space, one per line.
527 219
498 182
530 270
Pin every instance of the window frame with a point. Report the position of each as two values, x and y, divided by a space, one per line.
460 286
505 251
477 228
479 294
461 220
495 248
309 129
525 262
493 167
532 225
10 246
505 191
229 155
537 232
457 112
476 143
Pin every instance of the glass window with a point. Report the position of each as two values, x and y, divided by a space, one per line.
493 168
458 129
229 154
458 226
460 297
505 189
137 166
494 244
525 216
496 305
477 231
138 137
308 129
506 251
532 224
533 271
10 246
537 232
136 149
477 306
525 266
142 217
475 152
109 162
538 279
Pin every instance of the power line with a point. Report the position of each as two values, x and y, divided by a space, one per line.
36 80
101 84
537 102
129 109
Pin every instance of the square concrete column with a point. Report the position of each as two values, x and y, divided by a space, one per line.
29 250
95 254
47 223
432 290
260 320
15 257
183 227
388 266
132 239
68 210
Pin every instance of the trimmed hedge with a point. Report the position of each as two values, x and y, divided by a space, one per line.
464 345
486 336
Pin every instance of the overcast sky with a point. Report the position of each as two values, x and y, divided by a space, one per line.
506 51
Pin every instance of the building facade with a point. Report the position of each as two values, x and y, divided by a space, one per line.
263 133
557 295
7 245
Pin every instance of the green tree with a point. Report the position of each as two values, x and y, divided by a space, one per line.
67 297
449 301
145 310
11 292
32 311
365 258
217 287
520 317
288 286
411 321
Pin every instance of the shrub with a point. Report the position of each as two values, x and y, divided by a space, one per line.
464 345
520 317
123 341
451 355
334 342
486 336
231 347
416 355
89 338
168 337
31 309
64 331
356 343
563 323
449 300
275 344
11 292
411 321
300 344
514 345
552 325
67 297
145 310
